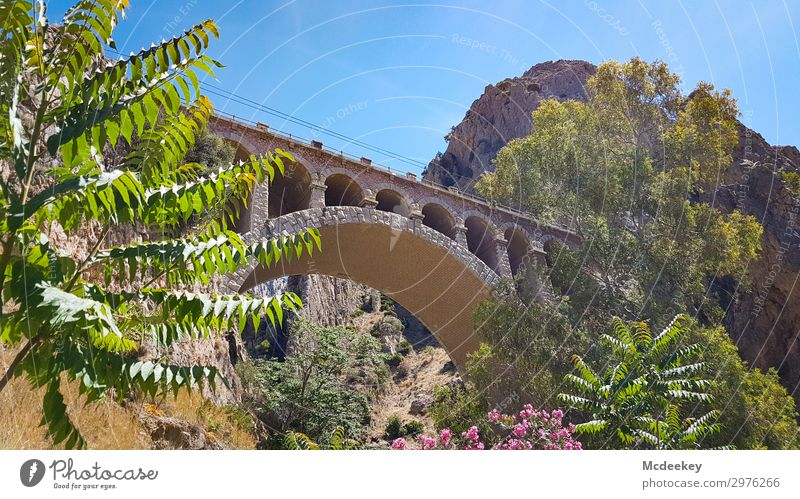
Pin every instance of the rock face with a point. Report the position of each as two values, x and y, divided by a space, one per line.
172 433
503 113
329 301
763 321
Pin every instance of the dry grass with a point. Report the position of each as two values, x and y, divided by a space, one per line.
229 425
425 372
105 425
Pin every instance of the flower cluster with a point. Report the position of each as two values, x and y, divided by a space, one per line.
532 429
529 429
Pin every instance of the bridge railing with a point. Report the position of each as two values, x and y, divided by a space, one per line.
398 173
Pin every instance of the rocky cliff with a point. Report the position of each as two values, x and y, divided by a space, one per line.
503 113
764 320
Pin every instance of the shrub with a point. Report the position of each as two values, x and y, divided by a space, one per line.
263 347
635 399
310 391
458 408
394 428
528 430
404 347
413 428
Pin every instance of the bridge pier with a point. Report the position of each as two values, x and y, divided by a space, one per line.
369 200
460 232
317 194
503 263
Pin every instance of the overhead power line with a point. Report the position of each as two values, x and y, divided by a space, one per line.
256 106
214 90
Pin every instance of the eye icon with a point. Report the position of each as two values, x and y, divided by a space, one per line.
31 472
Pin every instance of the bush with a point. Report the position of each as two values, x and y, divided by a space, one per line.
637 397
458 408
263 347
394 428
756 410
528 430
413 428
404 347
525 351
309 392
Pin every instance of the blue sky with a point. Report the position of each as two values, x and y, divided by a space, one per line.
399 74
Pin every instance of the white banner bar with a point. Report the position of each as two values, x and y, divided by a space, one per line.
708 474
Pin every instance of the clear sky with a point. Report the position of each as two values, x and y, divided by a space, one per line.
399 74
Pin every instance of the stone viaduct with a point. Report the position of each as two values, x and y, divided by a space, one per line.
434 250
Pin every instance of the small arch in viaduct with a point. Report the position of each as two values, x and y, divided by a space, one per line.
438 218
481 239
342 190
518 248
392 201
291 191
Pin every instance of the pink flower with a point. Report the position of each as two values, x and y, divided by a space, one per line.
493 415
471 434
428 443
444 437
519 430
399 443
558 414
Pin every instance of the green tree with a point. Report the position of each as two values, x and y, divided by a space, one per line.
635 399
324 383
211 151
627 168
525 351
65 109
756 411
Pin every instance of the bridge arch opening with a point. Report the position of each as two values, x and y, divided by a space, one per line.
439 219
242 220
405 261
342 190
291 191
393 202
481 241
518 244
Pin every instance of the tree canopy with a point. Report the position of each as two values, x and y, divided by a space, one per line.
67 110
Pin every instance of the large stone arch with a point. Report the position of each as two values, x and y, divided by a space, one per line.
429 274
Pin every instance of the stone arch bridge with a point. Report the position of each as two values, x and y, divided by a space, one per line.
434 250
